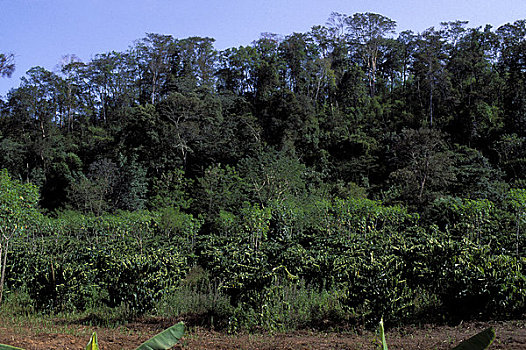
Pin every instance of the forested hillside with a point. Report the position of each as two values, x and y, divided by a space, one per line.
357 170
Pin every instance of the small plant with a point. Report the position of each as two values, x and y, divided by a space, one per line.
479 341
382 334
93 344
162 341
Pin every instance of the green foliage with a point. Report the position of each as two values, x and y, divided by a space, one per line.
220 188
171 191
344 169
18 203
93 193
288 304
382 335
517 198
273 176
18 215
198 297
424 167
132 186
299 262
93 343
8 347
164 340
179 226
87 261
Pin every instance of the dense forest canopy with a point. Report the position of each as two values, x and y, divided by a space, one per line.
405 117
339 156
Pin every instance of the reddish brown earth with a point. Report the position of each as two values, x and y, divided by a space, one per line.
56 335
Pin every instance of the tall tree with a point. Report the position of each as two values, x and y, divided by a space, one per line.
237 71
367 32
269 66
512 66
476 87
407 40
424 165
193 65
431 77
324 75
153 53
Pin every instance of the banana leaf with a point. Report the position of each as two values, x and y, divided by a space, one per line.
479 341
9 347
164 340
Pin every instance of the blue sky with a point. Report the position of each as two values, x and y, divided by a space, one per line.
40 32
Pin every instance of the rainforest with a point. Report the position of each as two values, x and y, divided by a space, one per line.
317 180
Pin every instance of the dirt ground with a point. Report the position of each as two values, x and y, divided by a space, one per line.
56 335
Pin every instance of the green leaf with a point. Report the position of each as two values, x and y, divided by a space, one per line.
9 347
164 340
93 343
382 334
479 341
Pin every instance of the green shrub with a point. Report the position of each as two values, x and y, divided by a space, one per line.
289 306
64 273
198 298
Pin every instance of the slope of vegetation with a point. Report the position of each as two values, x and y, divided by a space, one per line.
319 179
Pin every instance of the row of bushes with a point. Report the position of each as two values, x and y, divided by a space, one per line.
309 263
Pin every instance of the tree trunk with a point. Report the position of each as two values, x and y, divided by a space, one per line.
423 182
431 106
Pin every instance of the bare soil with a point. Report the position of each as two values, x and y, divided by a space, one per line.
56 335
